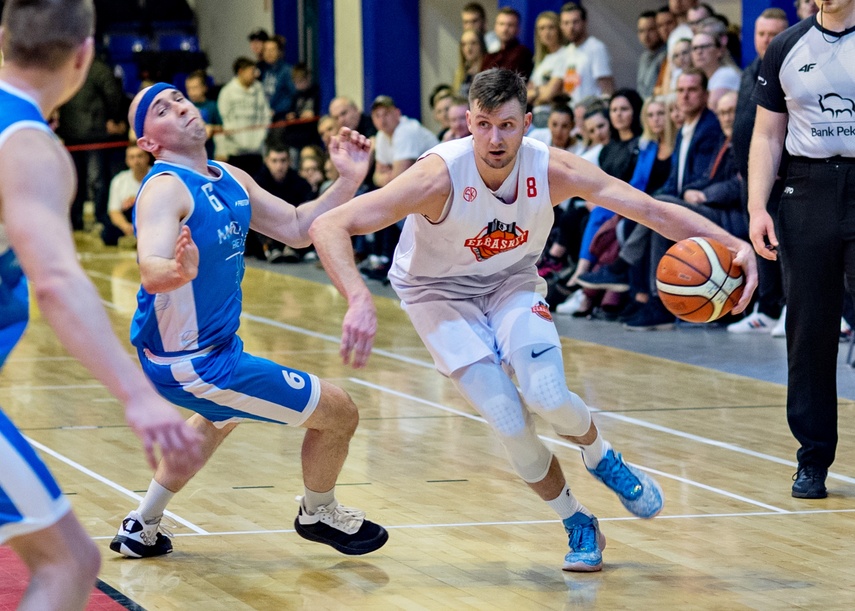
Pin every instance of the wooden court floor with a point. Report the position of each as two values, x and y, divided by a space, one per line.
465 533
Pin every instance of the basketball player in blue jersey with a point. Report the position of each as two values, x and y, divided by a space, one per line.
478 212
192 218
48 46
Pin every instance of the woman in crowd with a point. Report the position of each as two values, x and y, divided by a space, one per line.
708 55
472 52
546 80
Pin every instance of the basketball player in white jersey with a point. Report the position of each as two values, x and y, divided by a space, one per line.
478 212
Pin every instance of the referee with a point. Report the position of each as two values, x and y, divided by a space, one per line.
806 102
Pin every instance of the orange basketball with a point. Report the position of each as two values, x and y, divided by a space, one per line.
698 280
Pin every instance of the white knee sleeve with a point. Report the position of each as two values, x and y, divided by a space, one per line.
540 372
490 391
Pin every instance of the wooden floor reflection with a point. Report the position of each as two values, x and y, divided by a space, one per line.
465 533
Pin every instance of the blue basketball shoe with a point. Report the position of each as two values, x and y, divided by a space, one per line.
638 492
586 544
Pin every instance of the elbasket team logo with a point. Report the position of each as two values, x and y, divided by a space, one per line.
495 238
542 310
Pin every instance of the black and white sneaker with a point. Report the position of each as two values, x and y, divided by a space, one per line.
136 539
343 528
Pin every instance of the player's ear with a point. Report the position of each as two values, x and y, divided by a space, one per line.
526 122
84 54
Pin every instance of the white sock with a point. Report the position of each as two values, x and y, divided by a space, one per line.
312 500
154 504
565 504
594 453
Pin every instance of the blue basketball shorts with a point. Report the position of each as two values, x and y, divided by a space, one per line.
225 384
30 499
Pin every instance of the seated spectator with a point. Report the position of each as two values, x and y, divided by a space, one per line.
458 127
806 8
473 18
327 128
681 59
560 129
547 78
347 114
123 194
440 101
277 177
512 55
654 54
196 85
697 146
276 78
307 95
707 55
400 142
245 113
471 58
312 171
580 110
587 65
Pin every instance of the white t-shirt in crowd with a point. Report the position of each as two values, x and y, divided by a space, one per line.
583 65
409 140
122 186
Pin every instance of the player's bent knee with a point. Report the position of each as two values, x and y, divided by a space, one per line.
528 456
335 411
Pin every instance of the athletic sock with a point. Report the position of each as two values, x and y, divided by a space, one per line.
154 504
312 500
565 504
594 453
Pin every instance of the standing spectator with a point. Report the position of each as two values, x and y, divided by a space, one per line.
95 114
275 78
196 85
474 19
472 54
547 78
123 194
245 114
807 112
513 55
347 114
458 127
769 315
587 65
277 177
307 94
257 38
654 54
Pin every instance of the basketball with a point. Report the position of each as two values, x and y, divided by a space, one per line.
698 281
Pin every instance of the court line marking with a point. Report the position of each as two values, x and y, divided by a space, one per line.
688 516
109 482
572 446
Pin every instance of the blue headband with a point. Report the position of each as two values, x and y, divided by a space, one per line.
145 102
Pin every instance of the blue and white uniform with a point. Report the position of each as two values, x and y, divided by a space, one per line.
30 499
187 338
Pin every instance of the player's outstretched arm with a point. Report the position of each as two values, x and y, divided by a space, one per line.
350 151
422 189
36 184
571 176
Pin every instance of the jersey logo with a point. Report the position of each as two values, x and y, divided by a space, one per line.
807 68
836 104
761 80
542 310
497 237
470 193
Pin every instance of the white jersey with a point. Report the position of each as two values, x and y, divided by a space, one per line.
481 240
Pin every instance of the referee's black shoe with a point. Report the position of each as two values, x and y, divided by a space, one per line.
809 482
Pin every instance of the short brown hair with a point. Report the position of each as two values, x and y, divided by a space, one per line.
492 88
775 13
44 33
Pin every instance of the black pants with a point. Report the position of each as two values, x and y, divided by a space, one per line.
816 220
